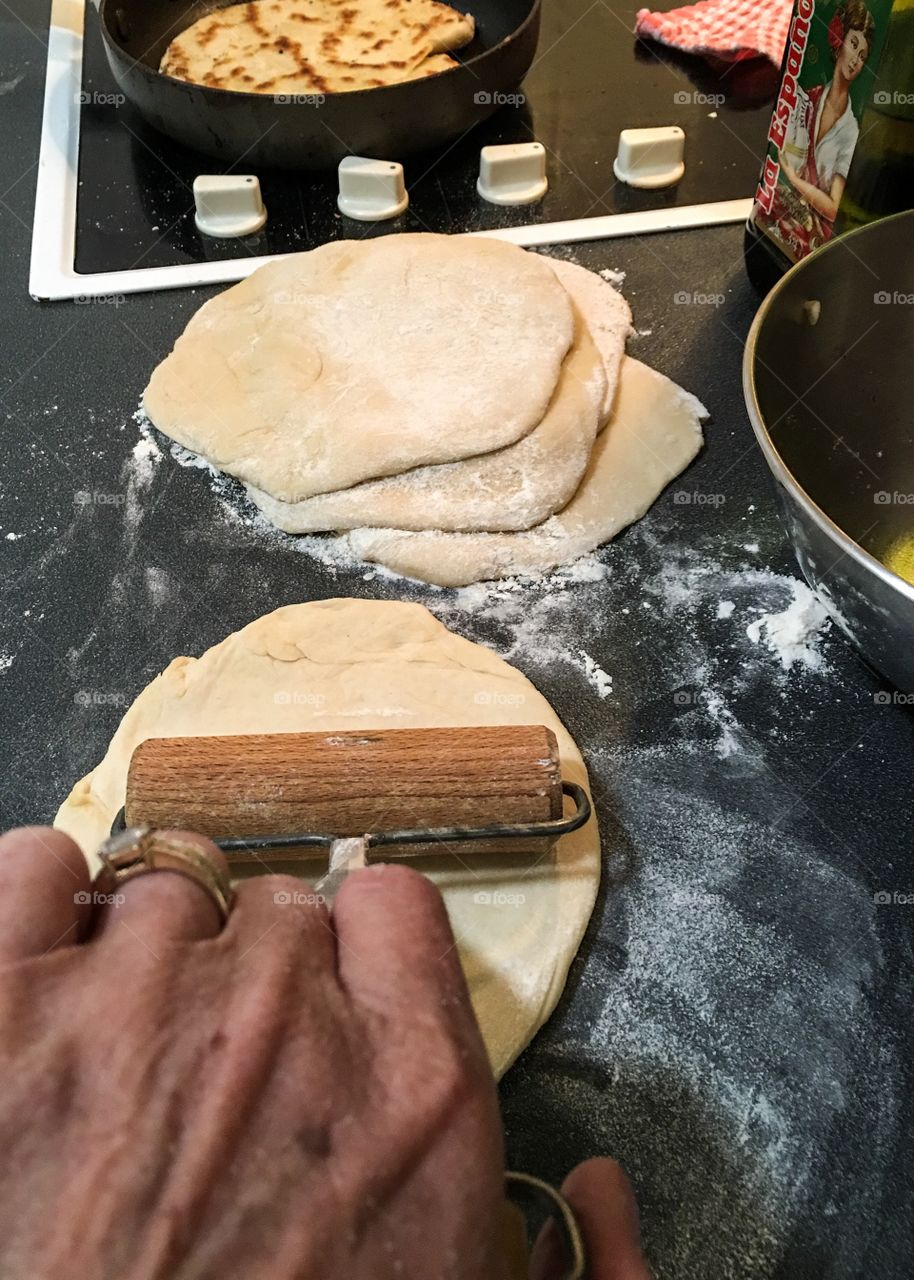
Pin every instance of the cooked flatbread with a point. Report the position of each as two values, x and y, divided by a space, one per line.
317 46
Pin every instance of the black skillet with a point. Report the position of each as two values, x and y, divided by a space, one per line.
259 129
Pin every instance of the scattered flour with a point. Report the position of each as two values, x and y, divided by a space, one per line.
13 537
596 676
612 277
791 634
158 586
145 454
138 472
6 661
723 1029
560 619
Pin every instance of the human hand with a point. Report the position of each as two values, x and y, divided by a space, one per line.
292 1095
603 1202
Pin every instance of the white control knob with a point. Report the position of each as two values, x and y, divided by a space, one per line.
650 157
513 174
371 190
228 204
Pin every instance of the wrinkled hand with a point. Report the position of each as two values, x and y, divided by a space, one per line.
293 1095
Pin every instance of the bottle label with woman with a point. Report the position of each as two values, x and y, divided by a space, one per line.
828 74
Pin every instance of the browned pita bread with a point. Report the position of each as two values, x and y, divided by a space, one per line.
285 47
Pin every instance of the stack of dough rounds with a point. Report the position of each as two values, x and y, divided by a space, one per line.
455 408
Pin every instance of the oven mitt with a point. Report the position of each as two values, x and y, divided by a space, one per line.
726 29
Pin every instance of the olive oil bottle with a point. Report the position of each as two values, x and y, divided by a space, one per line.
839 60
881 177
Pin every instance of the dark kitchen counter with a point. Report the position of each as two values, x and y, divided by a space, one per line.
737 1028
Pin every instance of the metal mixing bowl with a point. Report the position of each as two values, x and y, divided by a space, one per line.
828 377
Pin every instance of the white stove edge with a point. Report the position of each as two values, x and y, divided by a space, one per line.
52 275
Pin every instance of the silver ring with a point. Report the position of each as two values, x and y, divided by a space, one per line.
561 1213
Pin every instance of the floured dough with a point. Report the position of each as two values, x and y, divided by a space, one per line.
371 664
608 315
366 358
653 435
317 46
516 487
513 488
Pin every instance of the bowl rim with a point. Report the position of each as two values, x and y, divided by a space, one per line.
778 467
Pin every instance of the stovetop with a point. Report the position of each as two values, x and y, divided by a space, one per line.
135 204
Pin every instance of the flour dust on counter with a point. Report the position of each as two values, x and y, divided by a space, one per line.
725 1026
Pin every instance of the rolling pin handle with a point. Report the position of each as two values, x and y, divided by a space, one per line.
349 853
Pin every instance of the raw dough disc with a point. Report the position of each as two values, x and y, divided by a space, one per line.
653 435
372 664
516 487
366 358
608 316
513 488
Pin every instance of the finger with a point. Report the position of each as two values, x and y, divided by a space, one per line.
604 1204
395 942
44 892
284 908
163 906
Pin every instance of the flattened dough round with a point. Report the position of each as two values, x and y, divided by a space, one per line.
653 435
372 664
366 358
516 487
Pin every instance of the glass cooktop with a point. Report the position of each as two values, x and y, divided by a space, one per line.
590 79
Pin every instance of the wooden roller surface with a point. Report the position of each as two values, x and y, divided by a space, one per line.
347 784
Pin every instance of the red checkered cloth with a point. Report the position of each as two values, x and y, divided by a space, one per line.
728 29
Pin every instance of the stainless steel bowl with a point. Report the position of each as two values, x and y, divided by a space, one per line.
828 376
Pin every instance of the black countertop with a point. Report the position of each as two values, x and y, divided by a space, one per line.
737 1028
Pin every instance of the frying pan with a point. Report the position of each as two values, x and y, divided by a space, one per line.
388 123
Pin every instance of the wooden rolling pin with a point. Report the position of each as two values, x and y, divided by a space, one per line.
347 784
